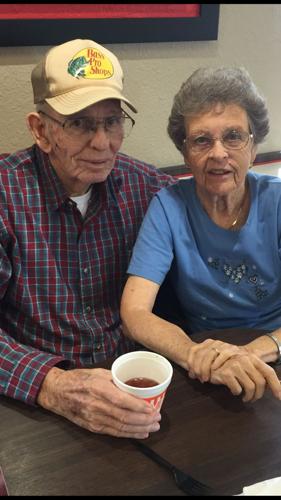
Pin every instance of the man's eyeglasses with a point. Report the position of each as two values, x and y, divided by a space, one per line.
116 126
230 139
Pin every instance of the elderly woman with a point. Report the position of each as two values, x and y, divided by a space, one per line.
218 234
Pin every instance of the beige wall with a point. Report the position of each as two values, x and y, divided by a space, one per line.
249 35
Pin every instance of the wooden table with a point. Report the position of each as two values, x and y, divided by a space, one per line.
205 431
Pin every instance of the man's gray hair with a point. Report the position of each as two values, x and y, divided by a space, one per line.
209 86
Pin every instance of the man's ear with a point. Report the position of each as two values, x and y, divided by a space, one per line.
38 129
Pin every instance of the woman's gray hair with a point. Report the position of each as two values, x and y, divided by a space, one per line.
209 86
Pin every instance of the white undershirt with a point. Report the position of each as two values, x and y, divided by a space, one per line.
82 201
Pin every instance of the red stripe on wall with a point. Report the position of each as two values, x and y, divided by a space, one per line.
121 10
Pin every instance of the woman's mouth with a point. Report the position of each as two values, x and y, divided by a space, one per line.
220 172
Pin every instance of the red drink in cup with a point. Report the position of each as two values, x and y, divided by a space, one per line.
143 374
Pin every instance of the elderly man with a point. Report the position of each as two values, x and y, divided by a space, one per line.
70 209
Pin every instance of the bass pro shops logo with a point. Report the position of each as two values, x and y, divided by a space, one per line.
90 63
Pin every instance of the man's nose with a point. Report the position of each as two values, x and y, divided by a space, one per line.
99 137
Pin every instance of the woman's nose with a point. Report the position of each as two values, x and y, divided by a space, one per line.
218 149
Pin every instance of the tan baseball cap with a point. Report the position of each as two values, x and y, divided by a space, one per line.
77 74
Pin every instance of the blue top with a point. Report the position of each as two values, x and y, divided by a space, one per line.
223 278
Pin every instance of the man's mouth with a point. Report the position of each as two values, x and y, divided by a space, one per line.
94 162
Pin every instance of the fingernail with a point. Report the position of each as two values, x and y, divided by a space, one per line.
155 427
143 436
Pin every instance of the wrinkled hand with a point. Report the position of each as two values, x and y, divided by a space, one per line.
89 398
246 373
208 355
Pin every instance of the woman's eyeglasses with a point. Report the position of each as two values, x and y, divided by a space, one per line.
230 139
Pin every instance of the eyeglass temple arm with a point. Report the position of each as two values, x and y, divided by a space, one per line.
128 116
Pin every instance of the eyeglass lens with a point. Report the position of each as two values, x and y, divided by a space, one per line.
119 125
113 125
230 139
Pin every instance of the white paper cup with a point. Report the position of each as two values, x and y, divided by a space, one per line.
143 364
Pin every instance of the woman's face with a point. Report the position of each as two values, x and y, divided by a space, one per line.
219 170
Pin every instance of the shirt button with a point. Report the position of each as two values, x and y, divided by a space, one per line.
88 309
85 270
98 347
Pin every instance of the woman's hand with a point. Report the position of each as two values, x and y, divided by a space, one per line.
89 398
208 355
246 373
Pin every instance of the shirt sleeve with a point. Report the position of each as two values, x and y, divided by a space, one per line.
22 368
153 251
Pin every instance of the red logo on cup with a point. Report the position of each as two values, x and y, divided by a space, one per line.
156 401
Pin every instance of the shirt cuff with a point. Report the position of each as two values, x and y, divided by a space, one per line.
28 375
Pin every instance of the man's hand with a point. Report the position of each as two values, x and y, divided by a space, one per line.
89 398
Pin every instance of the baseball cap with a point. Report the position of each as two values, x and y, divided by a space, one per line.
77 74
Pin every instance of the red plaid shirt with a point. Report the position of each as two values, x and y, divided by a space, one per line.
61 276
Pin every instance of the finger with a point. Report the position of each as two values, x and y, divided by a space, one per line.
123 415
251 381
230 381
260 385
270 377
249 390
194 351
135 405
225 352
254 369
100 414
108 430
206 357
198 352
107 391
221 358
207 364
103 425
246 375
249 372
101 393
134 417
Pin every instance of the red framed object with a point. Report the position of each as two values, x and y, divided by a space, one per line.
51 24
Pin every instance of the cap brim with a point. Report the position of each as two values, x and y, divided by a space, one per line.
72 102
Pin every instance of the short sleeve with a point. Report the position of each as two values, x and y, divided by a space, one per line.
153 251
